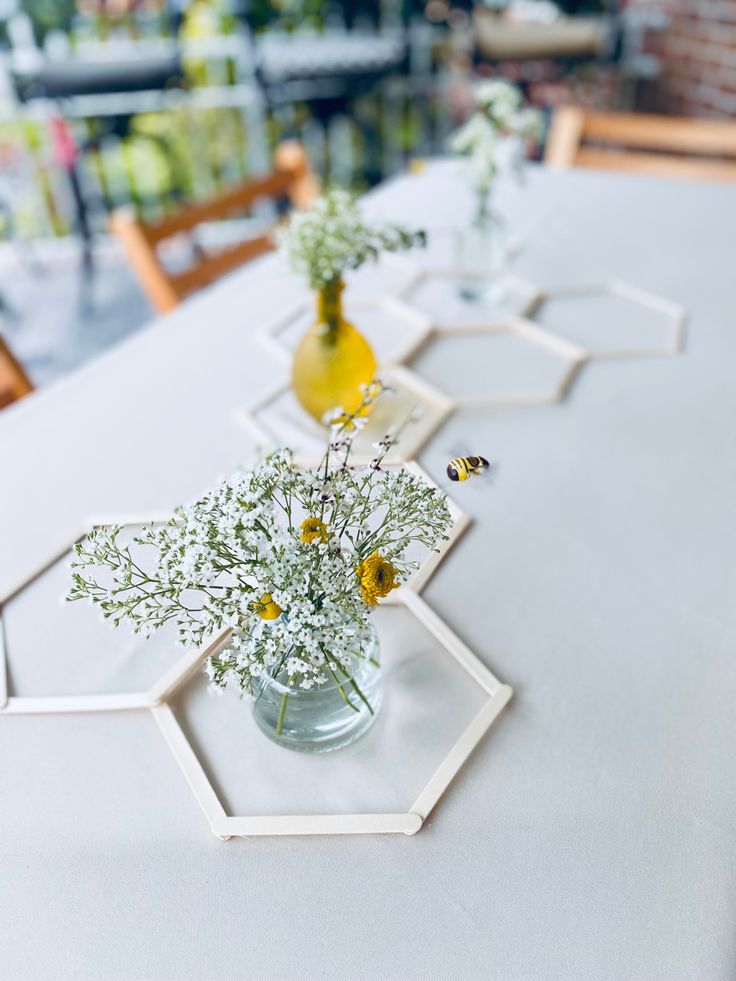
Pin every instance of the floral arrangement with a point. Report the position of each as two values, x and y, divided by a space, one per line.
293 561
499 115
331 237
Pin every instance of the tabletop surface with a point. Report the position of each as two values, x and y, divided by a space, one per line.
593 833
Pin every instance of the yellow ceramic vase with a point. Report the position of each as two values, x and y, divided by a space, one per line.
332 360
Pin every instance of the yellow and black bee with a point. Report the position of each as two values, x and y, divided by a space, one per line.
463 467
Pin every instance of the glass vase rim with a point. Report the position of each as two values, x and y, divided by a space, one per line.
267 680
371 645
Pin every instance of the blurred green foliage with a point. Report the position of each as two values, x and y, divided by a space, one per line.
185 153
49 15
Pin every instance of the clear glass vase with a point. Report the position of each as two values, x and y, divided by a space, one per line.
481 259
328 716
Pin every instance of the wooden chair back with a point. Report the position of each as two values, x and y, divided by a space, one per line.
291 178
14 382
664 146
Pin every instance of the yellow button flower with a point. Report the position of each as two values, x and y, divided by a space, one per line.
267 608
377 578
313 530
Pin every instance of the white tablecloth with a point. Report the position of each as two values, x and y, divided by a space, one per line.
593 834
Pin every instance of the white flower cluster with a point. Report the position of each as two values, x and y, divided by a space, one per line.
499 117
331 237
275 554
502 103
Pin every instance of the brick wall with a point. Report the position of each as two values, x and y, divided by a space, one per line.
698 56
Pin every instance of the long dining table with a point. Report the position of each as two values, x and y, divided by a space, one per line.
592 833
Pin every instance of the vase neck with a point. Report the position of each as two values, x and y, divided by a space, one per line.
329 303
483 210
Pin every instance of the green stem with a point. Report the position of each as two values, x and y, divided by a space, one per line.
282 713
342 690
329 304
361 696
483 211
356 688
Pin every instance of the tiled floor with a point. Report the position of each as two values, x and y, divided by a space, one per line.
55 322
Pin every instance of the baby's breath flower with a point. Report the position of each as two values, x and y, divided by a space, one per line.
331 237
500 99
292 561
499 120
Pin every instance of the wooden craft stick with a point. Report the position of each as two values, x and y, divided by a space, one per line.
421 342
460 752
415 467
275 347
184 668
567 381
450 328
535 298
28 577
188 763
130 518
3 665
260 433
402 311
63 704
627 353
317 824
551 342
405 378
678 339
644 298
534 306
460 524
419 323
269 336
274 393
426 570
509 400
460 651
590 289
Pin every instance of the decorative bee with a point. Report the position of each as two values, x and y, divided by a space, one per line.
463 467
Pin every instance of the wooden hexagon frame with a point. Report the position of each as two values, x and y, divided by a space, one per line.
485 321
673 312
518 324
418 324
109 702
394 375
572 358
226 825
521 325
102 702
155 698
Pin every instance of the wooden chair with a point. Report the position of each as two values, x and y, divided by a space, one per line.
665 146
14 382
291 178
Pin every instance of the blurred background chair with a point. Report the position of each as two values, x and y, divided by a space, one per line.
153 105
14 382
54 83
664 146
291 179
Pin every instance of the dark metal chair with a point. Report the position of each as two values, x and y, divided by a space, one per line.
59 81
